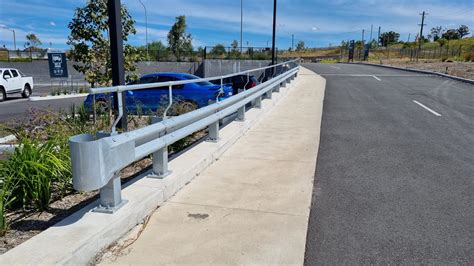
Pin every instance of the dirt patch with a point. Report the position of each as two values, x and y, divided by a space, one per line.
458 69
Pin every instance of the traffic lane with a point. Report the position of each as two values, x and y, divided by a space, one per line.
389 187
345 68
442 92
12 110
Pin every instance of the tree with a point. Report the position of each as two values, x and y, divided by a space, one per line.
234 45
390 37
451 34
32 41
90 43
218 50
436 33
442 41
463 30
157 50
179 42
300 46
235 49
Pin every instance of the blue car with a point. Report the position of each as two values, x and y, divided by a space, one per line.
199 94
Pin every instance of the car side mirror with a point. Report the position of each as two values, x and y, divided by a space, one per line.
7 77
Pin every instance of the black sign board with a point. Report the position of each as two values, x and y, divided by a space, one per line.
351 50
57 65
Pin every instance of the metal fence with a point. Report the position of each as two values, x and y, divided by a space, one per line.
23 55
461 52
250 53
98 159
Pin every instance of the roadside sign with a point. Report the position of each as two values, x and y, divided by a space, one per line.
351 50
57 65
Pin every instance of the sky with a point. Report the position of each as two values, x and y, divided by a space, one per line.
317 23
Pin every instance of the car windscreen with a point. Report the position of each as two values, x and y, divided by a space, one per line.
21 74
202 83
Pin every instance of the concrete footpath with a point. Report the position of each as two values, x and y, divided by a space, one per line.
251 206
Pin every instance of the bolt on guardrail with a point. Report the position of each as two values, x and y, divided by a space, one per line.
98 159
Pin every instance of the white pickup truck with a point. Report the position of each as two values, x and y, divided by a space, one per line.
13 81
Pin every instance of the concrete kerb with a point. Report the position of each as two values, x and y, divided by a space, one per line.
48 98
470 81
80 237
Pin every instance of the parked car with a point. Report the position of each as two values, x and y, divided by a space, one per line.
239 82
199 94
13 81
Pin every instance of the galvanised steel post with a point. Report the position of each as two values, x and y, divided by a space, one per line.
213 132
258 102
160 163
116 53
241 114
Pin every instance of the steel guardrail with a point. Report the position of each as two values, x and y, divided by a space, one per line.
97 159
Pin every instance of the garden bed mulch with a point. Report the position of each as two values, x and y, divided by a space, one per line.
25 224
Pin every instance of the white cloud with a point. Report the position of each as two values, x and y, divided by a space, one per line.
51 23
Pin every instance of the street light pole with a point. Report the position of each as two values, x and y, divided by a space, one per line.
274 30
146 29
241 23
292 42
14 37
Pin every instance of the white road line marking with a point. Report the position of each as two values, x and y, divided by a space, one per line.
335 67
375 77
422 105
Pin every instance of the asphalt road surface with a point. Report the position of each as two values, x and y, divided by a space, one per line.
15 107
395 173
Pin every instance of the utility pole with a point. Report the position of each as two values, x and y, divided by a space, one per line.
274 31
116 54
420 37
363 33
241 23
409 35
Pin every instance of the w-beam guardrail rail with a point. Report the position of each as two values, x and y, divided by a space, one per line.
98 159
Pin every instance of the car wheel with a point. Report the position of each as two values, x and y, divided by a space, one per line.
3 95
26 91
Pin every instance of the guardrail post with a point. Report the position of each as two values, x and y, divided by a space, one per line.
269 94
277 88
214 132
111 196
160 163
258 102
241 114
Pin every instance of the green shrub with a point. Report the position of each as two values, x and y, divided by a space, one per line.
34 168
